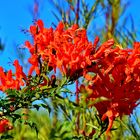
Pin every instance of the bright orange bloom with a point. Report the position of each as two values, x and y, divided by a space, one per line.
73 50
117 78
5 125
35 65
19 74
40 47
111 115
7 79
66 49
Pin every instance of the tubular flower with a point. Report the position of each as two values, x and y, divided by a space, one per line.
19 74
35 64
5 125
66 49
41 39
8 80
73 50
117 79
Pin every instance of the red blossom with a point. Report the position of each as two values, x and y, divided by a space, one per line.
8 80
35 64
5 125
66 49
116 78
19 74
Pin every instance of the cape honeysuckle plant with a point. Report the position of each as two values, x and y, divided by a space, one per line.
61 57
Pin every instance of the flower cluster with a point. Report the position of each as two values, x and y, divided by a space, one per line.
8 80
66 49
117 77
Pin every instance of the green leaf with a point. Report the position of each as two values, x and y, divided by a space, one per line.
6 137
36 107
93 126
46 107
15 117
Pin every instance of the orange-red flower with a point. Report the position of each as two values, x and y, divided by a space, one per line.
116 78
8 80
5 125
66 49
19 74
35 64
73 50
40 47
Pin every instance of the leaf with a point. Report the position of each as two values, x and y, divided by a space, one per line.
33 126
98 119
6 137
97 100
93 126
46 107
15 117
36 107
